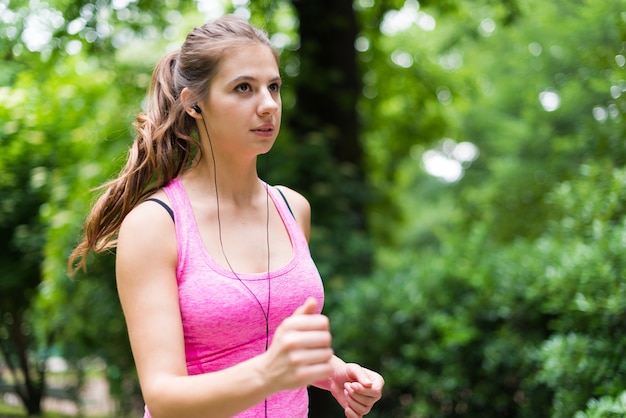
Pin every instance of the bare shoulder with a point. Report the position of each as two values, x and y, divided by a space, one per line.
150 216
301 208
148 231
299 204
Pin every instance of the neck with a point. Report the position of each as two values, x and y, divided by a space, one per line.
237 181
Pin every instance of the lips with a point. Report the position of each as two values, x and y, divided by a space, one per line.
265 128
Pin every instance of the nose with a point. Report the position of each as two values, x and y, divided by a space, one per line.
268 103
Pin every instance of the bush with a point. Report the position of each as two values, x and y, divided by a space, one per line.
531 328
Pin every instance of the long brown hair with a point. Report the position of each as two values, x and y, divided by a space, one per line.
165 142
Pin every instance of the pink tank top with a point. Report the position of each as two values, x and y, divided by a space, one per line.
223 323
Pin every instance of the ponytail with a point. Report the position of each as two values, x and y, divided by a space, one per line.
162 148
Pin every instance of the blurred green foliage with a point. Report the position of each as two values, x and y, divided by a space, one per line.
497 292
500 294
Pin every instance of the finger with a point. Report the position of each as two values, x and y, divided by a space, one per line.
314 373
308 307
356 373
358 410
350 413
364 395
361 404
308 322
356 387
311 356
310 337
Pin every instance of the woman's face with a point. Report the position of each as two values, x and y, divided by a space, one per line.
243 109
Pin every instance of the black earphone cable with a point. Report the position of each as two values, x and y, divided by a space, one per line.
267 237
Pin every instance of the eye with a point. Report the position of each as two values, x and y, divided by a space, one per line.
274 87
243 88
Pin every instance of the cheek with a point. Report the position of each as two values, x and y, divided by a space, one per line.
279 112
225 117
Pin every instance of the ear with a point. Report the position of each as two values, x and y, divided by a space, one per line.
185 97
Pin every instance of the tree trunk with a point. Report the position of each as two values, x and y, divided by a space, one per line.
327 91
29 377
325 122
329 85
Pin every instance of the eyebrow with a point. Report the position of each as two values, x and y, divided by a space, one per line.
250 78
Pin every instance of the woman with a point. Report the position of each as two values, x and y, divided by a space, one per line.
221 297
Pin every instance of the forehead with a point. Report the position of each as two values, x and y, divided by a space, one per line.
251 60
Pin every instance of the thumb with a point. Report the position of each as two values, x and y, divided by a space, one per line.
356 373
307 308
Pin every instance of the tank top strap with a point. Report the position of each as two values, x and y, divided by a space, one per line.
186 232
299 240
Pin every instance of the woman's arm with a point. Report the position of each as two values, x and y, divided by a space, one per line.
146 263
355 388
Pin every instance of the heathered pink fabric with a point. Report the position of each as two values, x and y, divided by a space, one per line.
223 324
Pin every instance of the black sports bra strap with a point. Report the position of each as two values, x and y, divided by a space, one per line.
287 203
165 206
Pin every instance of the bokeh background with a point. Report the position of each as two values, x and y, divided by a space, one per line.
465 165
